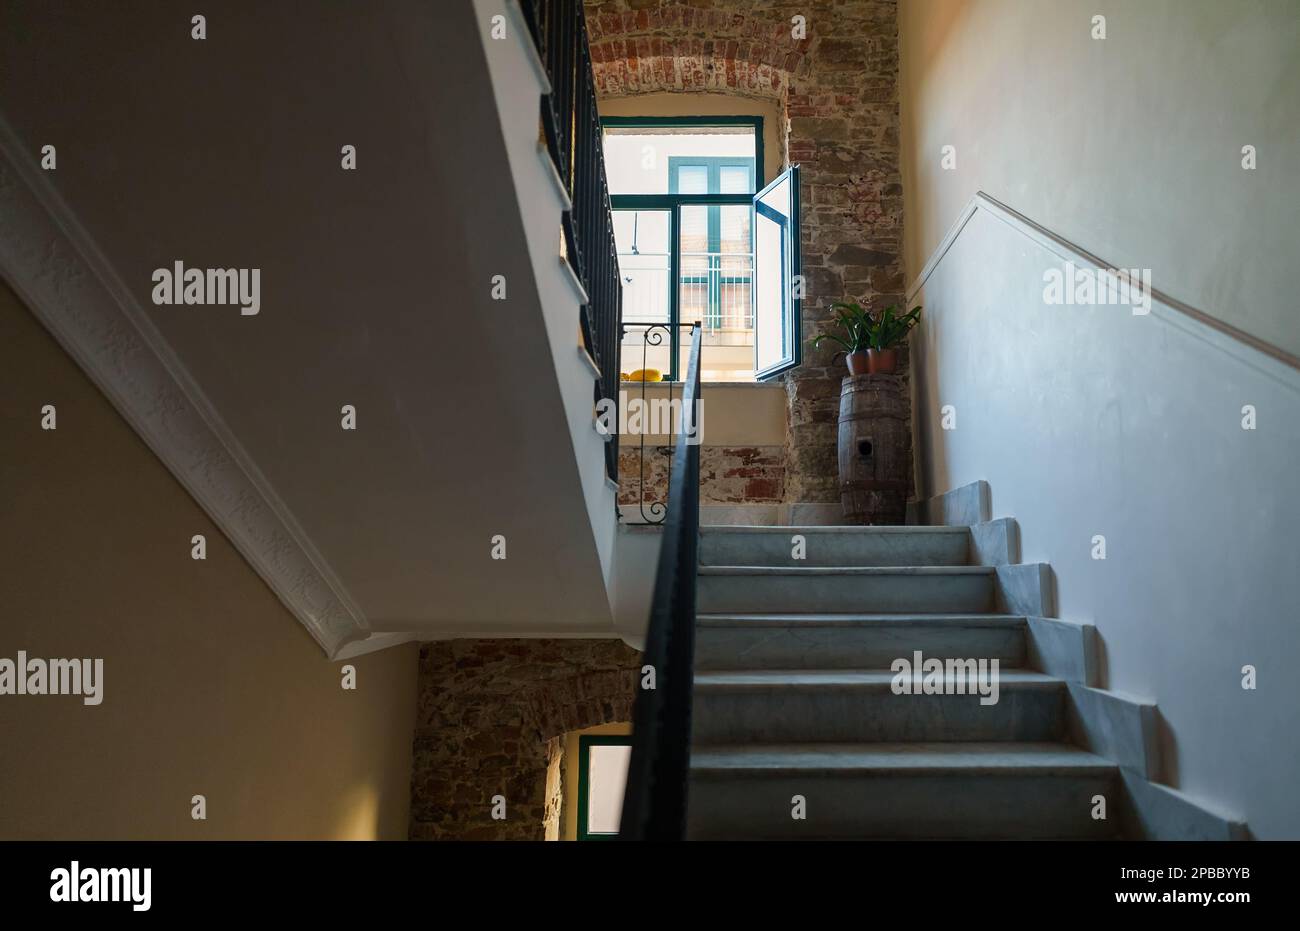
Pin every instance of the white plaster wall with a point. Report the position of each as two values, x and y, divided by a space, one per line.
1087 421
1098 422
517 80
636 560
1129 146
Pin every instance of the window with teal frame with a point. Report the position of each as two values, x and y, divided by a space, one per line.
718 175
705 210
697 193
602 773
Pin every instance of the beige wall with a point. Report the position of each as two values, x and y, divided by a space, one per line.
1129 146
210 686
731 415
675 104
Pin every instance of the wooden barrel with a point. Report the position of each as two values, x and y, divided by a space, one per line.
875 444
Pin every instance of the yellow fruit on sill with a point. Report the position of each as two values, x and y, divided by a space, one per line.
645 375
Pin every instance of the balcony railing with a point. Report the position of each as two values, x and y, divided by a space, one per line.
571 127
714 288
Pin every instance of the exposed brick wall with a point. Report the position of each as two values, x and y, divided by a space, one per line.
490 713
728 474
839 89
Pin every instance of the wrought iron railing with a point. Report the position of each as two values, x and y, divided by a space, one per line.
571 127
658 343
654 801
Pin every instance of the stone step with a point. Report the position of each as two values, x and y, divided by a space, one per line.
835 546
856 706
901 791
829 590
853 641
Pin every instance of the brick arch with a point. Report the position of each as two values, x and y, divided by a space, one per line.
679 48
491 719
572 703
678 69
582 701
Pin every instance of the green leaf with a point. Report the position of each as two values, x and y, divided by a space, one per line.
831 336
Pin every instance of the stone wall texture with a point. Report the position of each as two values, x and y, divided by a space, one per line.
489 721
838 87
728 474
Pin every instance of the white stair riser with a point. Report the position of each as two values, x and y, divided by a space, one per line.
797 646
876 594
764 548
757 805
856 714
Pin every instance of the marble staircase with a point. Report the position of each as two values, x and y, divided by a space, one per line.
798 732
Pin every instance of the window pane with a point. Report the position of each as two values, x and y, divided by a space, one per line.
734 179
641 237
715 277
770 315
695 229
734 227
773 267
606 779
637 157
735 264
692 179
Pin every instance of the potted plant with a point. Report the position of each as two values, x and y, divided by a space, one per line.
885 334
854 325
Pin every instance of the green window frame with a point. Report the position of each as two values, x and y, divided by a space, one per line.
673 201
712 278
585 743
713 165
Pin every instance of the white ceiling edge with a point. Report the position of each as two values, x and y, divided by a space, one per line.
64 278
374 643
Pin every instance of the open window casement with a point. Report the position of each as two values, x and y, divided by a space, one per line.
776 263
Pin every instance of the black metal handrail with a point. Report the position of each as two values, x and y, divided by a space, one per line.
571 126
654 801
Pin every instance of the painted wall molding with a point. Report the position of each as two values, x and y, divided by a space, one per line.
1261 355
64 278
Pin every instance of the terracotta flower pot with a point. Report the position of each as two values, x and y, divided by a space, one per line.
882 361
859 362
